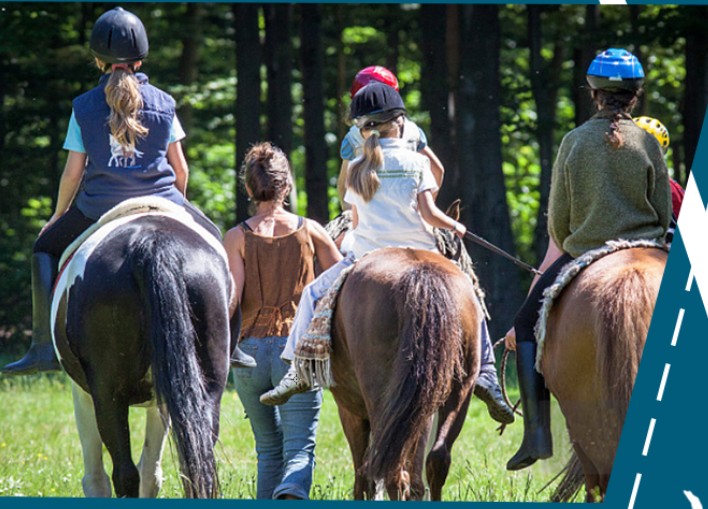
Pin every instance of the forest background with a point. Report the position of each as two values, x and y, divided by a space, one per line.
494 87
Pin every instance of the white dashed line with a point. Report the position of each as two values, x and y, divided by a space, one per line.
660 393
650 432
689 283
637 480
662 385
679 321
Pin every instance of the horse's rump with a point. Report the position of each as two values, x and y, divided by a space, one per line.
594 341
406 327
141 311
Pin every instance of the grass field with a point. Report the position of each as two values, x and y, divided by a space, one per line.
40 453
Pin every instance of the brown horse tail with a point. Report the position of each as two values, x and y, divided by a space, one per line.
429 358
625 304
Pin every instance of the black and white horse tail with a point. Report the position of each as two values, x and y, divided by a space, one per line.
176 371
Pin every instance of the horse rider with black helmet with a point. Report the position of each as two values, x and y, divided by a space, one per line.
137 152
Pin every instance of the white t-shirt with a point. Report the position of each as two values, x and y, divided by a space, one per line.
391 218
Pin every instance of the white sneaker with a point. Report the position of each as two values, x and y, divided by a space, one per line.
288 386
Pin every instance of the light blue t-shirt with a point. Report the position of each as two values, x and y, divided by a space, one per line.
75 142
353 141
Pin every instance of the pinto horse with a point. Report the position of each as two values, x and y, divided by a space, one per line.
594 340
405 347
141 316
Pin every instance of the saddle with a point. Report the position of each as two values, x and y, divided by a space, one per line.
569 272
130 207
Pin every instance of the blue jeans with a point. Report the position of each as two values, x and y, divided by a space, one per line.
285 435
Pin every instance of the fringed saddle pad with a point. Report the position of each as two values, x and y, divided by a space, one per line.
449 245
312 354
568 273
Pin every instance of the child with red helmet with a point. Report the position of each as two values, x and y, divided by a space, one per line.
390 188
413 136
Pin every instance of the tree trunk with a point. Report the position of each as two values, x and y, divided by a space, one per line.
544 85
343 80
583 54
188 69
452 58
486 210
311 56
393 15
248 91
278 60
189 59
434 91
696 82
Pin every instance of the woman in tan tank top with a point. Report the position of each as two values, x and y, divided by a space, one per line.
271 256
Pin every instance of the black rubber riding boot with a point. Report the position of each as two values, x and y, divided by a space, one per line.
40 356
239 358
536 401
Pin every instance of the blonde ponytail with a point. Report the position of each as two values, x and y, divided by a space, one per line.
363 172
124 99
362 177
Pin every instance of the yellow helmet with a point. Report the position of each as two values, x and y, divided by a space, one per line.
655 128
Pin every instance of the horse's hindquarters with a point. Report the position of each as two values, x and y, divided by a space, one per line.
144 314
406 335
595 336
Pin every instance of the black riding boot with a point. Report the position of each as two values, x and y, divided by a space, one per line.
40 356
239 358
536 402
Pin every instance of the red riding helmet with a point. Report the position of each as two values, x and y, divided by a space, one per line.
373 73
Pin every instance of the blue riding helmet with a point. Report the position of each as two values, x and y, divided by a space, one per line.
615 70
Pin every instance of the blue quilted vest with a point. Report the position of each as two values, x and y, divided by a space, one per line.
112 174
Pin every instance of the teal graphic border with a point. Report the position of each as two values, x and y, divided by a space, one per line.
663 447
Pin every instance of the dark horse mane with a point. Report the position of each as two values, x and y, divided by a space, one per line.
429 360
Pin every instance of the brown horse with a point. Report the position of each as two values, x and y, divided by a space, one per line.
405 347
595 336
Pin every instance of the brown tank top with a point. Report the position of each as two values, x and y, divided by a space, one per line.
277 269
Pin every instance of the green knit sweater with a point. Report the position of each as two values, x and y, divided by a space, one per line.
600 193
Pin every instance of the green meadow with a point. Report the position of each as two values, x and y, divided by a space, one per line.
40 455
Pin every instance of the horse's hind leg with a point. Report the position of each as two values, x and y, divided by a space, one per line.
150 464
95 481
593 489
112 419
357 432
416 462
452 417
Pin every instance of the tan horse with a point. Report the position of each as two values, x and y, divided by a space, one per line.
405 347
595 336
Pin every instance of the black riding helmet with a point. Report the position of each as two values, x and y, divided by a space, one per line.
376 103
119 37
